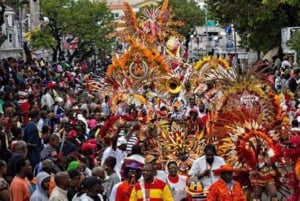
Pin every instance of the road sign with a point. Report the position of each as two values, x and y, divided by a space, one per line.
210 23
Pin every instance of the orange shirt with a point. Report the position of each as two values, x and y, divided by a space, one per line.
219 191
123 191
20 189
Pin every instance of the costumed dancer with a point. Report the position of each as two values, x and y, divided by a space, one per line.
132 171
293 153
225 188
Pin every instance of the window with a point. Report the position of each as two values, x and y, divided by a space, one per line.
116 15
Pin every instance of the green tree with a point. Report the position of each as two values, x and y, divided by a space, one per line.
81 19
188 12
294 41
290 2
258 23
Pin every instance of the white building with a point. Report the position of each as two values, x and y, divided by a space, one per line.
12 45
15 29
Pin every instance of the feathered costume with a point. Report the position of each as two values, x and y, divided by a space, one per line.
246 126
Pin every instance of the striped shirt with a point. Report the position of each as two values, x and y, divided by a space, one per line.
155 191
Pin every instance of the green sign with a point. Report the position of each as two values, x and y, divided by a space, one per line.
210 23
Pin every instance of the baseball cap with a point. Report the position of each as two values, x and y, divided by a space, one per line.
88 146
149 158
72 134
73 165
121 140
47 163
73 173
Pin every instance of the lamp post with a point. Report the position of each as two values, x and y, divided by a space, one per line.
234 39
20 24
206 30
191 52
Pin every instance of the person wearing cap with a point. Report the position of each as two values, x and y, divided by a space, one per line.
202 167
88 150
132 171
176 182
73 165
42 187
151 188
67 146
116 150
99 172
225 188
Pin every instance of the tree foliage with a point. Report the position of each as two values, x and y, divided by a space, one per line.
188 12
258 23
88 22
294 41
40 39
290 2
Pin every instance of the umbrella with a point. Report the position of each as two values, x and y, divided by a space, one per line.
270 54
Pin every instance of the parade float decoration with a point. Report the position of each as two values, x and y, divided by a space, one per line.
176 144
247 127
245 118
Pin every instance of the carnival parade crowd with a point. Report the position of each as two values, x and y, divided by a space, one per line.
153 126
57 142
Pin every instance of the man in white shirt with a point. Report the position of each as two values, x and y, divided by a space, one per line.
118 151
47 101
105 107
285 64
202 168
